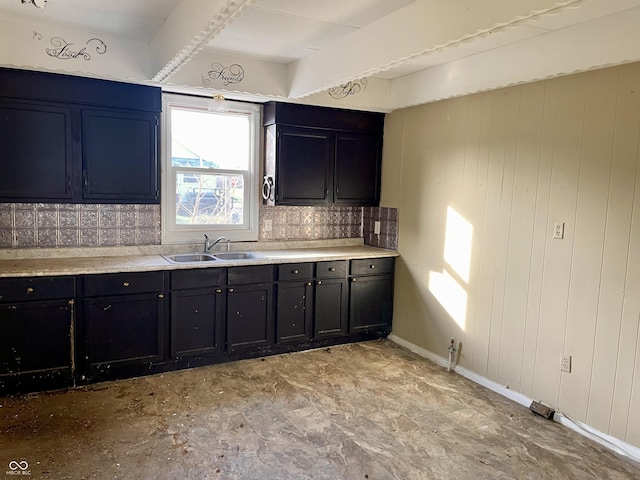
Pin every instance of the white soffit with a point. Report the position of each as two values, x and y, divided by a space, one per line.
602 42
129 19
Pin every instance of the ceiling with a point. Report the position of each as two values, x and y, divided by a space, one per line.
408 51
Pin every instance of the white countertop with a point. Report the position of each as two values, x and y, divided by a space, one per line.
38 262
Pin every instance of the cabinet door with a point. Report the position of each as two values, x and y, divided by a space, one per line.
330 312
294 311
126 329
249 316
358 169
120 156
305 166
35 336
196 322
36 145
371 303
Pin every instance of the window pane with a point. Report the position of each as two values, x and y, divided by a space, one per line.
210 140
205 199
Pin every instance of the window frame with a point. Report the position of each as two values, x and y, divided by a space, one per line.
174 233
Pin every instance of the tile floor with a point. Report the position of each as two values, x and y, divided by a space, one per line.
362 411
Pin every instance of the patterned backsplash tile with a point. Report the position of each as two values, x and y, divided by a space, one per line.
28 225
24 225
388 218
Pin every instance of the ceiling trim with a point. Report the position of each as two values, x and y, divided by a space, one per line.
416 30
186 14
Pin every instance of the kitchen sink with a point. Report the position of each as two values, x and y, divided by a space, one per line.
190 258
235 256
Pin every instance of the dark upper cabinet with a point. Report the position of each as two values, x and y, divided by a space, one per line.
118 156
37 151
307 182
78 140
357 178
318 155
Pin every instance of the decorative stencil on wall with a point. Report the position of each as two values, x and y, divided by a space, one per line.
63 50
349 88
232 74
36 3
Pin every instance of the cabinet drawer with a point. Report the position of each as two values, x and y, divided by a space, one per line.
250 274
200 278
38 288
372 266
295 271
123 283
337 268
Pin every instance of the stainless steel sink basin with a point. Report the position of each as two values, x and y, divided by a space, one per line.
190 258
235 255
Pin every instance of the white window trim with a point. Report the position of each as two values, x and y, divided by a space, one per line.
175 234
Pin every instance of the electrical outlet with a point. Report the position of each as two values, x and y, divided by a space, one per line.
558 230
565 363
376 227
268 225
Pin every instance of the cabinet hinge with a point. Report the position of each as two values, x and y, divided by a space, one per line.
157 121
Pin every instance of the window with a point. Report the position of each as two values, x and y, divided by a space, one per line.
210 170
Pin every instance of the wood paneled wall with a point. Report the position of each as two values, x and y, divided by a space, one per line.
512 163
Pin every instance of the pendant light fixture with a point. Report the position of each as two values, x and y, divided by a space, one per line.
218 104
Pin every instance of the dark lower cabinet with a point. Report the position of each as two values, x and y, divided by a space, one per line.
295 312
196 322
126 326
36 344
124 330
37 321
371 295
294 308
249 316
197 312
330 308
124 323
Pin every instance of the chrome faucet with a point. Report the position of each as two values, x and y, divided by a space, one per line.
209 246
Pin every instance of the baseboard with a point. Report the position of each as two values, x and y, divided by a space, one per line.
612 443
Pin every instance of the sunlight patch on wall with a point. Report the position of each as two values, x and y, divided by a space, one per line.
457 244
450 295
457 256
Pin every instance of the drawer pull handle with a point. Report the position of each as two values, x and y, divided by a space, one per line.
231 290
295 272
319 282
332 269
218 290
126 284
29 290
308 284
160 295
372 266
106 308
354 279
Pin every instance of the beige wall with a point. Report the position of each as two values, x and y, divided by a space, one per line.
479 182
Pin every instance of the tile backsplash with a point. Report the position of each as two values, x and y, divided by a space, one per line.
28 225
310 223
388 218
24 225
